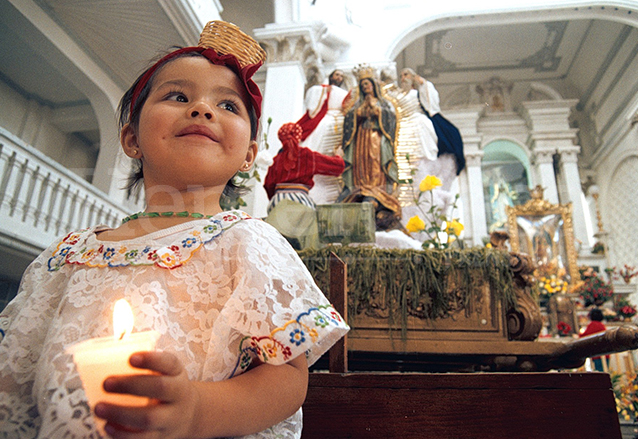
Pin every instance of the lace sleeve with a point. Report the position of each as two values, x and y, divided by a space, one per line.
277 307
23 327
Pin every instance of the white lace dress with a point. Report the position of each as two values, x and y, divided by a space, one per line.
221 292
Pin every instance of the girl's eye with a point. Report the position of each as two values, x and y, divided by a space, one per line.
176 96
229 106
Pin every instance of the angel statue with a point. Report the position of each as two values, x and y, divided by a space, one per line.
437 149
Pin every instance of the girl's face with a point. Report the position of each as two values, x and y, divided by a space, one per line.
194 128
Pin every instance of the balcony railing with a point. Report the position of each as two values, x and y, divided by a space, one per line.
41 200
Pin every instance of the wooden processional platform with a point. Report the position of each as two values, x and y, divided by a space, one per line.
494 405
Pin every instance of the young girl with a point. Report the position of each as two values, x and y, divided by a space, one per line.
240 317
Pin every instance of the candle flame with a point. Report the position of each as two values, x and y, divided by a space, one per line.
122 319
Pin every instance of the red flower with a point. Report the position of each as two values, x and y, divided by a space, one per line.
564 328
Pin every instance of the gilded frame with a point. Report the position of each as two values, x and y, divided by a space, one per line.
538 208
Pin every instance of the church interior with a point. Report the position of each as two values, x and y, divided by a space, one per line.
502 205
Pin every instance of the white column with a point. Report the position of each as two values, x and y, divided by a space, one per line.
543 165
112 167
470 179
548 122
474 204
570 181
292 50
283 102
283 98
285 11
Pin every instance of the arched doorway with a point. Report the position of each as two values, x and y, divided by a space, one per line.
506 180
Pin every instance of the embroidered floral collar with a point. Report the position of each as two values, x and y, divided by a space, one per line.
82 248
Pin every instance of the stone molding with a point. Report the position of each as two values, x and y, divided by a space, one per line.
307 43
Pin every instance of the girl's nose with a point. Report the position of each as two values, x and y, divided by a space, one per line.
201 109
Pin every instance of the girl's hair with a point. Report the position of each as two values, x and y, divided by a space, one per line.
232 191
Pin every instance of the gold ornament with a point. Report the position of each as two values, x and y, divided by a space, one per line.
364 71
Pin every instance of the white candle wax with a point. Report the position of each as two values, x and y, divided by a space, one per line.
98 358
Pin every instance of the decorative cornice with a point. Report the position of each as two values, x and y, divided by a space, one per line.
474 159
289 42
549 105
543 156
569 154
549 115
568 134
310 43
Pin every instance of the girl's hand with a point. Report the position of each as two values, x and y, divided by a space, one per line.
174 400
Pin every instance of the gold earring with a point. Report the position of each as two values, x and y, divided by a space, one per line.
245 167
134 152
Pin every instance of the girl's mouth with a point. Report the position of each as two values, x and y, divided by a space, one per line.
197 130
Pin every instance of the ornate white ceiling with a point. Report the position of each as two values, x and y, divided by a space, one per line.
588 59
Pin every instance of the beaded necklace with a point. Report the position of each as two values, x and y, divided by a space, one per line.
165 215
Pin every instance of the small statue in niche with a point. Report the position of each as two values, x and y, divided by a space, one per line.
495 93
500 194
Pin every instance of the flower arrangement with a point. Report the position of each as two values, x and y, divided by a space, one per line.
624 309
627 273
563 328
551 285
627 311
599 248
626 395
593 289
609 315
441 232
612 273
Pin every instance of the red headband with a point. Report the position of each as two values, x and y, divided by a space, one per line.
245 74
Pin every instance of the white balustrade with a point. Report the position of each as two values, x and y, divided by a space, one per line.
40 200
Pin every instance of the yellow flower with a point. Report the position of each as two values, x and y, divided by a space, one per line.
455 228
415 224
429 183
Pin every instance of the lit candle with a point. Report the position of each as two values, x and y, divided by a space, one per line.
98 358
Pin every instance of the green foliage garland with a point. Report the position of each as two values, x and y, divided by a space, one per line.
403 279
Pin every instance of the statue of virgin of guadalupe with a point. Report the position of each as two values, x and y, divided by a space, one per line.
369 132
